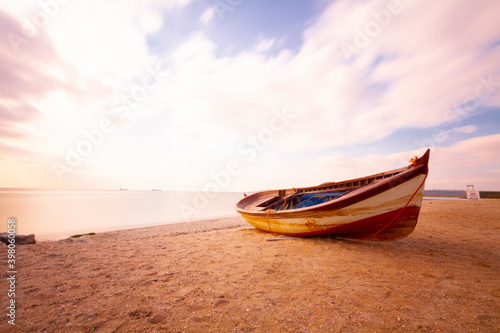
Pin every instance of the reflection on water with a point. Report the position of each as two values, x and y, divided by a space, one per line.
57 214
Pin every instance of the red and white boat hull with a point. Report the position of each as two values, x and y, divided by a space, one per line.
387 209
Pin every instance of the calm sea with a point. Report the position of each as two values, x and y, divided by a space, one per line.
51 214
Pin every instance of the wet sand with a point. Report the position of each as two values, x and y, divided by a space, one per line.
225 276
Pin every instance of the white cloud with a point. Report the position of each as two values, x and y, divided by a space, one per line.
102 43
411 73
150 21
207 15
264 44
217 103
423 73
466 129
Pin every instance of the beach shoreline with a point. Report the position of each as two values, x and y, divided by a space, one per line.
223 275
169 227
201 225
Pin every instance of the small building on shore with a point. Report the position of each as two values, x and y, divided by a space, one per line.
471 193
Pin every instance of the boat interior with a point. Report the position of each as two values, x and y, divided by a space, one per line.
302 200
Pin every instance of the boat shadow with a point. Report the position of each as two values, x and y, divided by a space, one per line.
416 248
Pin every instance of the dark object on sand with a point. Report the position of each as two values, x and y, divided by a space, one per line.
80 235
18 239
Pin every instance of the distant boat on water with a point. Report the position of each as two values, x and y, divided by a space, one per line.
123 189
382 207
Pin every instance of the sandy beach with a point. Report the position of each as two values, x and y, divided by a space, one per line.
225 276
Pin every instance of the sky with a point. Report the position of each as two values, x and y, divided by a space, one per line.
239 95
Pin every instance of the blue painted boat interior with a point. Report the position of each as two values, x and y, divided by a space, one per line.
310 199
303 200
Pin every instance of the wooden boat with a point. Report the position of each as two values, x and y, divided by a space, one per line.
382 207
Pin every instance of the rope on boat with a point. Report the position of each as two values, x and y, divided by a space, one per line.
268 224
268 210
284 204
394 219
294 191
